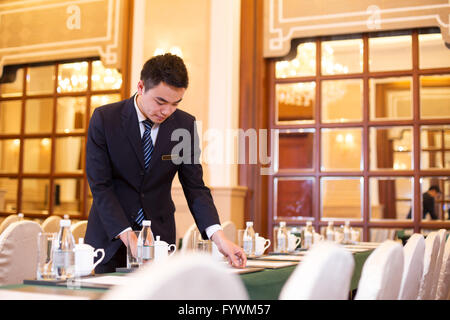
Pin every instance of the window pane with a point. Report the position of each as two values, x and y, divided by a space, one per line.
435 97
10 116
391 148
341 198
434 206
9 155
8 194
296 149
35 196
68 193
342 100
432 51
390 98
37 155
341 149
14 88
391 198
69 154
390 53
446 199
70 114
342 56
105 78
295 102
72 77
40 80
39 115
101 100
432 141
304 64
293 197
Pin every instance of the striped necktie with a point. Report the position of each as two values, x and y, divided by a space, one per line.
147 146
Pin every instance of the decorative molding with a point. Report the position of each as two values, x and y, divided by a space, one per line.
285 20
36 31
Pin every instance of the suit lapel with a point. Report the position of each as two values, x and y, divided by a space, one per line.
130 126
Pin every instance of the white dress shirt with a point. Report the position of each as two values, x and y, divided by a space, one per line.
154 134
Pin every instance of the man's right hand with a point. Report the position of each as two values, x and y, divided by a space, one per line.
133 241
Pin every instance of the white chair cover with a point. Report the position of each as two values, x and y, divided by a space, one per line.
51 224
413 252
229 228
325 274
188 238
429 263
7 221
443 287
78 229
438 265
381 275
18 252
187 276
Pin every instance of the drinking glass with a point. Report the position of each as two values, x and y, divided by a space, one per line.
46 241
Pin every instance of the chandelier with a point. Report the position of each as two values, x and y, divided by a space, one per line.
304 64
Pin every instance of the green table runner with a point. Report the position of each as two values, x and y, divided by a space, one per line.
267 284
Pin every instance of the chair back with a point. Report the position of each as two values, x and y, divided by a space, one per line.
381 275
438 265
78 229
188 238
325 273
51 224
7 221
18 252
186 276
443 286
432 243
229 228
413 253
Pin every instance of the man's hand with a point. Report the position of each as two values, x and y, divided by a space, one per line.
133 241
235 255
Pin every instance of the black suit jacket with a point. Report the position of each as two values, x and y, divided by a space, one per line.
121 186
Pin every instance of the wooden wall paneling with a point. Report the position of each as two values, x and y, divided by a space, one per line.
253 112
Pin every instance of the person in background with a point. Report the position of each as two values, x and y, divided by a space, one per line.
428 202
131 163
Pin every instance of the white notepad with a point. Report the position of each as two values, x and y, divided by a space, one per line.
270 264
275 257
108 280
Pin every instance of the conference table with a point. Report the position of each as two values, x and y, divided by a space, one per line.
265 284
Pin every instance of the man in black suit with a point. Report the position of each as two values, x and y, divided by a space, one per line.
131 179
428 202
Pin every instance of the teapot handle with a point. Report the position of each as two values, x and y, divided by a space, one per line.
96 254
174 249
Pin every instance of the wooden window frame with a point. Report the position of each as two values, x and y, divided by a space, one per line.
20 175
366 224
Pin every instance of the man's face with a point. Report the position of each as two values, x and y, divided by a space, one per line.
434 193
159 102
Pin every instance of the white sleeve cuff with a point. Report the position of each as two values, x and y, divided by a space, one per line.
212 229
127 229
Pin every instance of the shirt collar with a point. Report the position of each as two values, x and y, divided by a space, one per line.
140 115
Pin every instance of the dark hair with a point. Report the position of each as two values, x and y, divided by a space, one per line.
435 188
167 68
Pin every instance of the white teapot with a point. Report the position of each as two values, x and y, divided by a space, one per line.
162 249
84 258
